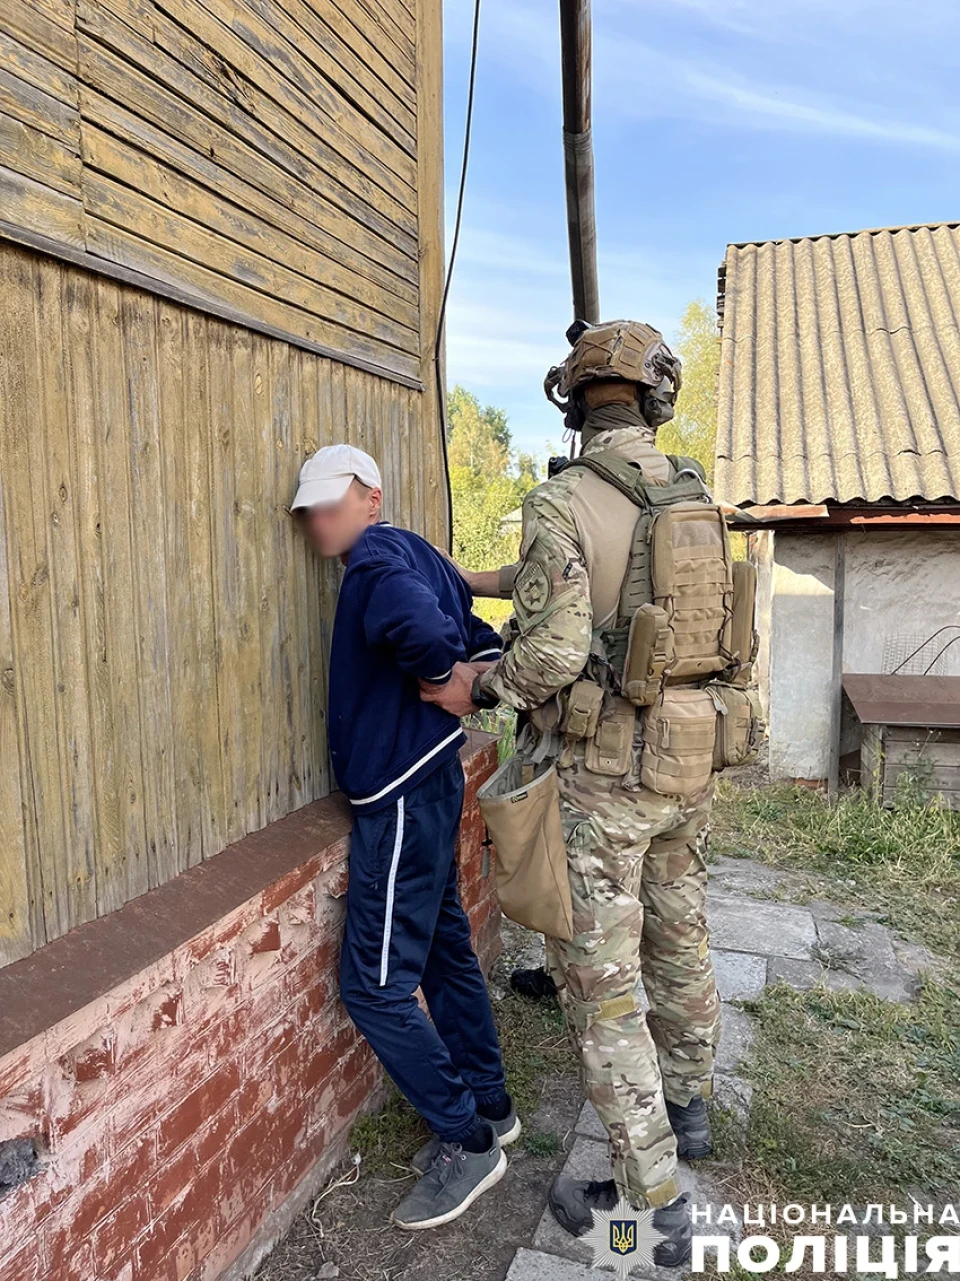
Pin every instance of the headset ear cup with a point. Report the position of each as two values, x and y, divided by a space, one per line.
576 411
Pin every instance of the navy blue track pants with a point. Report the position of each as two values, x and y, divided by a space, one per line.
406 929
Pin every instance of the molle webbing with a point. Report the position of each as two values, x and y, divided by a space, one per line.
693 583
679 560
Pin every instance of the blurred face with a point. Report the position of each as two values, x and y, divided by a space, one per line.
334 527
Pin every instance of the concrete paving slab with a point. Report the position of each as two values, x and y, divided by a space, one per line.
589 1159
741 976
736 877
914 958
534 1265
868 954
806 974
839 944
765 929
733 1093
737 1032
798 974
590 1125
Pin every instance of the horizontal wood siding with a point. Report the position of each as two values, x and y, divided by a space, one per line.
164 630
929 757
259 157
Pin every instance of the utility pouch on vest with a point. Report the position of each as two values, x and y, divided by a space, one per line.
693 582
739 725
584 700
610 751
743 632
680 732
649 652
531 865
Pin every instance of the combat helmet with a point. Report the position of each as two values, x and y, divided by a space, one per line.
615 350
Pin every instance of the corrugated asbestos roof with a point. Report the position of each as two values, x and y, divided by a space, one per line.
840 368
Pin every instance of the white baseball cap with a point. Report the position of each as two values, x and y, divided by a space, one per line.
327 475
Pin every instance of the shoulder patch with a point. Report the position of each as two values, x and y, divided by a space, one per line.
533 587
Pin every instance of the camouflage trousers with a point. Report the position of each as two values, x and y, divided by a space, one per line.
638 883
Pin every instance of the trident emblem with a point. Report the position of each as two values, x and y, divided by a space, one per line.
623 1236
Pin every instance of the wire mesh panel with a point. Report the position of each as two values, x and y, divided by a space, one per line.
914 654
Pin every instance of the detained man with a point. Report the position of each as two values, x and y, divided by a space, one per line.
403 621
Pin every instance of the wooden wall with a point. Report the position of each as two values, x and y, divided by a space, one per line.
163 627
220 248
257 156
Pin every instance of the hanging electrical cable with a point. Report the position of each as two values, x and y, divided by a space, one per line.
442 315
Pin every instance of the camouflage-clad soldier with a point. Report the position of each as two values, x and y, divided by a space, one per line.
635 856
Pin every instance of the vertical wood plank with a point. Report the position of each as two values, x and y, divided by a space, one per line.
29 566
225 578
272 623
127 876
148 530
83 372
195 375
182 473
307 433
74 871
17 903
111 796
326 573
248 377
429 18
286 403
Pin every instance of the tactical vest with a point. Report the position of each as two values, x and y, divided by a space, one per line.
674 622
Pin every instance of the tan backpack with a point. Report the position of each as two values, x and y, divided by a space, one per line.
675 615
685 615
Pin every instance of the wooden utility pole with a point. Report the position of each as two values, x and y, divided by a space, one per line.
575 58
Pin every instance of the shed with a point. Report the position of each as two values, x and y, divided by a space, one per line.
910 726
839 442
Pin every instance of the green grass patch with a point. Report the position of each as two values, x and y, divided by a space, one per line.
541 1142
388 1139
535 1049
903 862
856 1099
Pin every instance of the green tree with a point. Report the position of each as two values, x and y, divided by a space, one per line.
693 429
477 437
487 484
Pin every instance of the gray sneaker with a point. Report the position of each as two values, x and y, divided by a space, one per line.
450 1186
507 1131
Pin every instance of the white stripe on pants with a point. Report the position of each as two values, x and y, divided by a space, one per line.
391 885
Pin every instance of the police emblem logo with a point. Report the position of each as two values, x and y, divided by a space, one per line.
532 587
623 1239
623 1236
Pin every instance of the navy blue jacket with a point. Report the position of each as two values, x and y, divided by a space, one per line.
403 613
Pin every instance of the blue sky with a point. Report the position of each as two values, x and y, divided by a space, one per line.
714 121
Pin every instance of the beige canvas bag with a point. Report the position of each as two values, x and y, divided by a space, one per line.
679 737
739 725
523 818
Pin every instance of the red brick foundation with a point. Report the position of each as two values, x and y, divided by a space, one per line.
185 1065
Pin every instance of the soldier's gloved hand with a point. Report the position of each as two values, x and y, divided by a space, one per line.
454 696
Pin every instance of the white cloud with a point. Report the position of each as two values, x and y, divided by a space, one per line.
772 107
641 72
